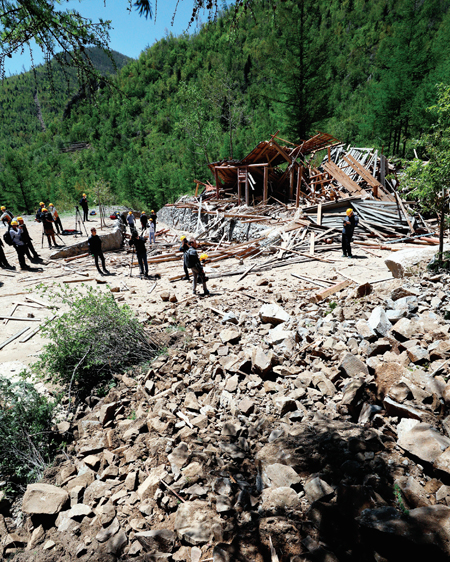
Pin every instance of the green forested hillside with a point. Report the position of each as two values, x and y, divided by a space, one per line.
364 71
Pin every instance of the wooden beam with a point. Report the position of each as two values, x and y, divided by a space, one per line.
239 187
399 201
311 244
291 184
247 189
14 337
319 214
266 186
342 178
216 177
331 290
299 183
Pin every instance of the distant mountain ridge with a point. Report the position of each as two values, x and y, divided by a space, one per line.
31 101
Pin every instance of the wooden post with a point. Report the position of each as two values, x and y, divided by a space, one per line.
196 188
247 189
216 176
383 170
266 190
299 185
291 184
329 154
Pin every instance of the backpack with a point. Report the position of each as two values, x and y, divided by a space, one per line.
191 257
7 238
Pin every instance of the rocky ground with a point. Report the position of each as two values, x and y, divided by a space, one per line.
273 428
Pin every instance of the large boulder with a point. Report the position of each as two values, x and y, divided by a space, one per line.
110 241
421 440
398 263
379 322
44 499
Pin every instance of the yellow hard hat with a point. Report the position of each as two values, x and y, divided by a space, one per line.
182 237
130 212
153 211
41 204
84 194
3 208
44 209
19 219
51 205
143 213
203 256
349 212
14 223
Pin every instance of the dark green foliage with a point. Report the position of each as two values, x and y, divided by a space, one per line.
26 438
363 71
91 341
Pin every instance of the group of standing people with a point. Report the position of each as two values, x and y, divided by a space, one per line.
18 237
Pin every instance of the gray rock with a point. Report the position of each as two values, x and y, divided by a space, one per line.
394 315
279 499
116 543
421 439
279 476
106 533
261 363
230 335
273 314
418 354
395 409
353 366
379 322
316 489
229 318
413 492
44 499
196 523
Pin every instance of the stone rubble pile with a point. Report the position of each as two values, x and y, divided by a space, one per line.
321 429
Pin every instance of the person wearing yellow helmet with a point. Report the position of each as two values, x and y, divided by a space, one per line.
47 223
144 221
85 207
351 221
153 219
193 263
5 216
56 218
130 221
19 245
26 238
38 217
184 248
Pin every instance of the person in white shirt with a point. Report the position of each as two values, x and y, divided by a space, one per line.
151 233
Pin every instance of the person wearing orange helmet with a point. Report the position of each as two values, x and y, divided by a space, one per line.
85 207
351 221
193 263
153 219
184 248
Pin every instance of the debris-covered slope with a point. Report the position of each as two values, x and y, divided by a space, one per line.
274 422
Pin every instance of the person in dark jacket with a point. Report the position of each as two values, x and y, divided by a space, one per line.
3 261
85 207
39 212
153 219
95 249
30 251
192 261
350 223
47 223
141 251
144 221
184 248
18 243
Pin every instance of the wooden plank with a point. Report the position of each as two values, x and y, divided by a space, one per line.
36 330
309 280
19 318
319 214
342 178
399 201
266 186
331 290
12 338
77 257
299 183
11 313
37 301
365 174
311 244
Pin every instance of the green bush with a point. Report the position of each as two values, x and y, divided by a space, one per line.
27 442
93 340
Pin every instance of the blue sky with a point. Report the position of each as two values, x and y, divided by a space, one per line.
130 33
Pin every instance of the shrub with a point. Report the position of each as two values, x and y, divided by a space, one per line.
27 442
93 340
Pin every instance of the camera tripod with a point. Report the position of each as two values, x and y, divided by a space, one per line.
79 221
